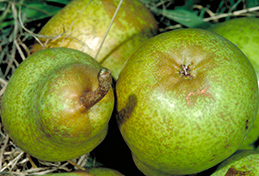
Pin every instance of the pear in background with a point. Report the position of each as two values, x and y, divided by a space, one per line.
85 22
97 171
244 33
242 163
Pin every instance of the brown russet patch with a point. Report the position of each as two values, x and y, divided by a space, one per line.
234 172
124 114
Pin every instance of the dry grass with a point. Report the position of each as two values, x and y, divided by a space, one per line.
14 49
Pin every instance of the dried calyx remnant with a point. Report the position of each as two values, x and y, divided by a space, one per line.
88 99
185 71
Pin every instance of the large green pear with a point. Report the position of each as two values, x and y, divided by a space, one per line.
84 24
242 163
56 106
244 32
186 100
95 171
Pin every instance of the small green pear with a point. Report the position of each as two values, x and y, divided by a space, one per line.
244 33
75 173
241 163
85 23
57 104
101 171
186 99
95 171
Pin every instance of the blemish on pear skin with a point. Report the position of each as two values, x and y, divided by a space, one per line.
124 114
213 157
188 97
227 145
233 172
200 92
247 121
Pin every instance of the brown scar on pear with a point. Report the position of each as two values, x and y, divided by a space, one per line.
234 172
124 114
247 121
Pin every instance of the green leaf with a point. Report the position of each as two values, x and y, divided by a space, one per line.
235 5
184 17
221 8
252 3
39 10
188 5
59 1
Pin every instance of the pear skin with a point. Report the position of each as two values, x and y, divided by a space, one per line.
244 33
98 171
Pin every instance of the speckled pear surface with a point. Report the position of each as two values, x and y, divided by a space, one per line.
244 33
242 163
101 171
98 171
84 24
41 110
76 173
186 100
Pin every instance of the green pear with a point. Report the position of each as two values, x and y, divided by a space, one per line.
186 100
242 163
75 173
84 24
57 104
103 171
95 171
244 33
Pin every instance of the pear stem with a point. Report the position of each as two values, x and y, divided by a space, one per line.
88 99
